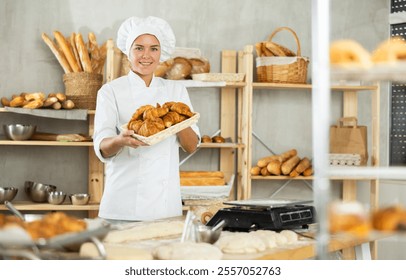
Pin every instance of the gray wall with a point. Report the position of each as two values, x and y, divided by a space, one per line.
281 119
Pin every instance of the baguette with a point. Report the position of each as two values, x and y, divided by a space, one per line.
289 165
274 167
287 155
75 50
95 57
303 165
34 104
66 49
35 96
103 54
57 53
263 162
83 53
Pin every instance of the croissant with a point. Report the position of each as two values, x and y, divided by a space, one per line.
148 128
171 118
135 125
150 114
181 108
140 111
168 104
162 111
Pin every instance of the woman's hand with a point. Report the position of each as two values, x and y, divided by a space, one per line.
111 146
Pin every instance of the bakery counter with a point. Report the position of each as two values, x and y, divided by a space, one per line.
145 240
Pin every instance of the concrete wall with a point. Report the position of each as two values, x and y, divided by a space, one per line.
281 119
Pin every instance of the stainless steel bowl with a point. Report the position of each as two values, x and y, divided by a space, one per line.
38 192
7 194
207 234
19 132
56 197
79 198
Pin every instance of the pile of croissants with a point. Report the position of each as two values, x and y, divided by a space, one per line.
148 120
285 164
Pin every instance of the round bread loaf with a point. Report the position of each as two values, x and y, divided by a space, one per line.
180 69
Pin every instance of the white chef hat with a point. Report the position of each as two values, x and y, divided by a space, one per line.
133 27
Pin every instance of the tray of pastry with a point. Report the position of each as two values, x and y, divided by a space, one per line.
51 231
384 71
162 135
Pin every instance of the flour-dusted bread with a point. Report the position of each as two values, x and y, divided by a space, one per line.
187 251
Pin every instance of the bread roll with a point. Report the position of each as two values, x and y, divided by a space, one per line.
390 51
349 53
308 171
218 139
255 170
17 101
301 167
206 139
289 165
274 167
50 101
68 104
5 102
265 172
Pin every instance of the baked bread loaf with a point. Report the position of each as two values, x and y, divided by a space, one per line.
349 53
218 139
199 65
349 217
206 139
163 67
67 51
180 69
57 53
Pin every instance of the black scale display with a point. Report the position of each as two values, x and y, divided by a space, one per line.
276 215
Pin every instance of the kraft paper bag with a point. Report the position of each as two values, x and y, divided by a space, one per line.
351 139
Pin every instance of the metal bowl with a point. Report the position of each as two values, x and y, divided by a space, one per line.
207 234
19 132
56 197
38 192
79 198
7 194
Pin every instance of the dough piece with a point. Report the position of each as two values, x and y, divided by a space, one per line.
349 53
115 252
187 251
145 231
290 235
240 243
280 239
267 236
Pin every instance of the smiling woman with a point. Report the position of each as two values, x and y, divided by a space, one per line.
134 190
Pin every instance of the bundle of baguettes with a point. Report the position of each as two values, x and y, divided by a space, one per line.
74 55
285 164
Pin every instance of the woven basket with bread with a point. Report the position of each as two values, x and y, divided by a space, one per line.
278 64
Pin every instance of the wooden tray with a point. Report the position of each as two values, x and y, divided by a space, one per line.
162 135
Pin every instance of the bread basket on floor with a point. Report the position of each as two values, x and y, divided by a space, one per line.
283 69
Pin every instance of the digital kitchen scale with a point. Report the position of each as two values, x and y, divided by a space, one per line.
267 214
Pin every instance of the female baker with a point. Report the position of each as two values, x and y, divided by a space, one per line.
141 182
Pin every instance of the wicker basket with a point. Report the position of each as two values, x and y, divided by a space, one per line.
82 87
278 69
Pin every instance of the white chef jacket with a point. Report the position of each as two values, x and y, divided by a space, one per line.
143 183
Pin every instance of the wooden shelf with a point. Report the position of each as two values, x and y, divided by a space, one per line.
281 178
309 87
45 143
222 145
89 112
31 206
